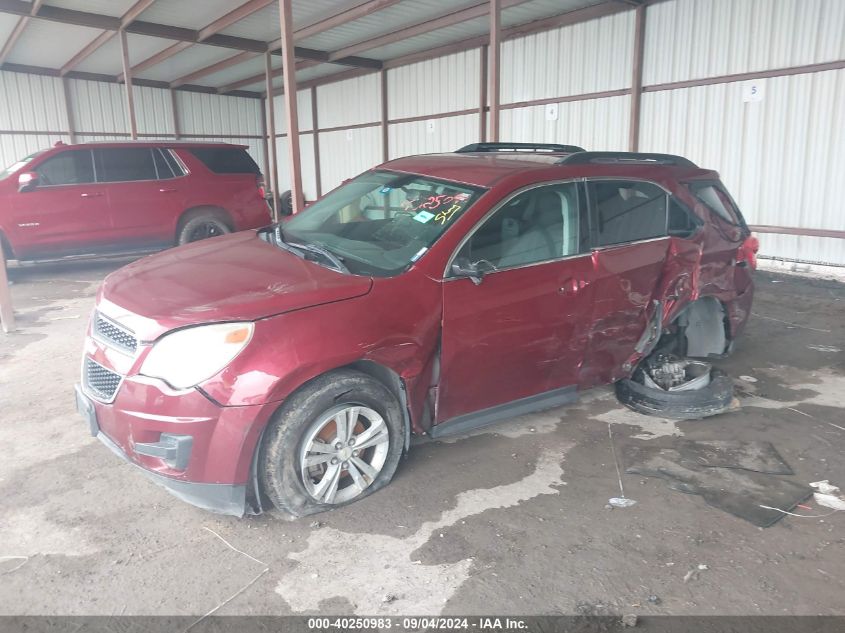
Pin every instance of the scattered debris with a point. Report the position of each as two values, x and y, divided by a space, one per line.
748 378
23 559
825 348
828 495
621 502
317 524
390 597
689 575
654 599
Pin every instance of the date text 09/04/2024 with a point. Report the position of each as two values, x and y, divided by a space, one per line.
417 623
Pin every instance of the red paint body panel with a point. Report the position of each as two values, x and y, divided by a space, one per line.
573 322
108 217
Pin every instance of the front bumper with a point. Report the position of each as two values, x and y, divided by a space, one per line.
208 464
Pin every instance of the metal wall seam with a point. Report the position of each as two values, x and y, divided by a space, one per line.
345 153
349 102
706 38
596 124
303 108
31 102
779 154
593 56
445 134
444 84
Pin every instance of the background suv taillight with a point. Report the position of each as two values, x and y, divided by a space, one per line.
259 182
747 252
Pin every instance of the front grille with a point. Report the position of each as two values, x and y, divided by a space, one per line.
114 335
99 381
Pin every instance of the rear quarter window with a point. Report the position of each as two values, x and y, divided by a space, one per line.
226 160
716 200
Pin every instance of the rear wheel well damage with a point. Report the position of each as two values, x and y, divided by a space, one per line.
699 330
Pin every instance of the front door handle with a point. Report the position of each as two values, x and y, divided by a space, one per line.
96 194
572 285
166 190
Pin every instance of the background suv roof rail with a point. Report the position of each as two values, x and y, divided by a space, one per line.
519 147
582 158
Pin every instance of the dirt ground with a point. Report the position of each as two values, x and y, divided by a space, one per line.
512 519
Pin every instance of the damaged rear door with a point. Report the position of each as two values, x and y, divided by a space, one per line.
645 270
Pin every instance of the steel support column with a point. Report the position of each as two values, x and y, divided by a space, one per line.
494 56
270 110
127 74
68 111
482 96
385 144
315 126
289 77
637 79
7 314
174 107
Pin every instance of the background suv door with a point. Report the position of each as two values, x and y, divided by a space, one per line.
66 213
142 207
521 331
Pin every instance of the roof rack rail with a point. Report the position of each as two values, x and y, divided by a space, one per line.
582 158
520 147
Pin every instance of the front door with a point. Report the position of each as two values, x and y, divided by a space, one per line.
67 212
520 333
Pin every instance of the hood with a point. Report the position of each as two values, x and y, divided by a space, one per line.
237 277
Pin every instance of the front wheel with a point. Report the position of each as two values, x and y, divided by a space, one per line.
335 441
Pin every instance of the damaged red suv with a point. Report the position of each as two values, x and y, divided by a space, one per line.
431 295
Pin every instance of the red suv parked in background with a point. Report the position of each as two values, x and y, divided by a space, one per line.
118 197
434 294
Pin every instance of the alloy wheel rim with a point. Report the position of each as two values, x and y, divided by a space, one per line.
342 453
204 231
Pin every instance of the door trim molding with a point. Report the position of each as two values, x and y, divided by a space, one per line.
485 417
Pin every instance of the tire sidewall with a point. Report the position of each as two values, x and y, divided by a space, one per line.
191 225
279 471
679 405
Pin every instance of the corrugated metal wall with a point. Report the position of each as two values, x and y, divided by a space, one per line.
35 103
779 152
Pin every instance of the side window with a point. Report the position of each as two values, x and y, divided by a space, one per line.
175 165
163 169
541 224
226 160
682 222
124 164
716 201
627 211
73 167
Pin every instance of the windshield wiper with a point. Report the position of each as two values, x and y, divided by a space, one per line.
316 247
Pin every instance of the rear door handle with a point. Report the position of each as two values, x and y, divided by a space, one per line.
96 194
166 190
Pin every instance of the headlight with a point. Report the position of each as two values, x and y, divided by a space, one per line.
190 356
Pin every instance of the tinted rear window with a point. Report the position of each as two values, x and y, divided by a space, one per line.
124 164
226 160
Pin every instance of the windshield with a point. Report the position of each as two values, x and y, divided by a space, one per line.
381 222
11 169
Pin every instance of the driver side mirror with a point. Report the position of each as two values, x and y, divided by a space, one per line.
463 267
27 181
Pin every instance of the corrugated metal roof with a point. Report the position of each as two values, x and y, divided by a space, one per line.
114 8
50 44
187 61
264 25
189 15
234 73
7 25
440 37
383 22
107 59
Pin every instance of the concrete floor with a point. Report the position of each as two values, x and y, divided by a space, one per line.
509 520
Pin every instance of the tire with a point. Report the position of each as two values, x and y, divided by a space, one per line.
286 204
289 435
713 399
202 227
